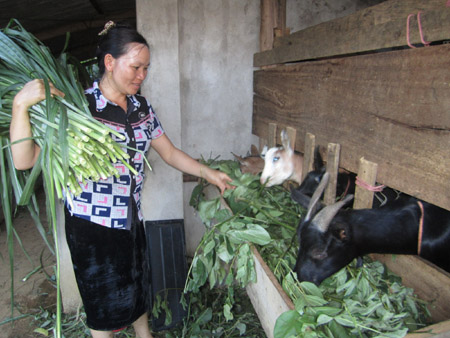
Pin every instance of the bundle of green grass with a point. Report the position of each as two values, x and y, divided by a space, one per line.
75 146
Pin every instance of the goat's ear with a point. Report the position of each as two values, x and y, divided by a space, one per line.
264 152
318 162
254 151
300 198
285 142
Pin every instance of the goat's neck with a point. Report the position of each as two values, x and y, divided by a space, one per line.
385 231
297 161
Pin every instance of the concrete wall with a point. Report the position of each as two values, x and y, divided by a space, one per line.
200 85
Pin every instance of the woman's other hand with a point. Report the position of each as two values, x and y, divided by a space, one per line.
216 177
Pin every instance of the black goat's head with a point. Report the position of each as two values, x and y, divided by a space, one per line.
324 241
313 178
345 182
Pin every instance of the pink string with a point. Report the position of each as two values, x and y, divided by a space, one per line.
426 43
419 24
448 3
369 187
420 234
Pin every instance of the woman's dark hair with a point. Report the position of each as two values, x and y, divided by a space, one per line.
115 42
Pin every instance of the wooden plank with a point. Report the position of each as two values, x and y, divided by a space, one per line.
308 158
333 154
267 296
391 108
374 28
292 136
429 282
273 22
70 295
272 135
267 25
439 330
368 174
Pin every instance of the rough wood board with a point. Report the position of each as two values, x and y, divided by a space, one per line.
308 154
333 153
391 108
267 296
377 27
367 172
439 330
428 281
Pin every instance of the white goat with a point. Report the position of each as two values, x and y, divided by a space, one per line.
281 163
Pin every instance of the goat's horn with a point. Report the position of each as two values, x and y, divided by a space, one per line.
323 219
316 196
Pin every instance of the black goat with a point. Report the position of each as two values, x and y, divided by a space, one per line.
331 238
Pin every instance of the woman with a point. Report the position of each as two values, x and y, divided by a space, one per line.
104 226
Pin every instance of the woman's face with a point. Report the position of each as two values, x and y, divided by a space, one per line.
130 70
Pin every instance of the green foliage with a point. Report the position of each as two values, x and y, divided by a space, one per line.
205 319
367 302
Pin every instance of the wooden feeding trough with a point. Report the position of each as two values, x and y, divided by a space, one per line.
382 110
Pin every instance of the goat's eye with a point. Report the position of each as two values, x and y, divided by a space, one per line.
275 159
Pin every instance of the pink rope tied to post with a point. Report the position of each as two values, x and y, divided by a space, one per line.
367 186
419 24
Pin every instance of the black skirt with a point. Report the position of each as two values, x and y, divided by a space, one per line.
111 269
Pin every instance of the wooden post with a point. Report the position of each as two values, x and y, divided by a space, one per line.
70 296
334 151
308 157
273 22
367 172
292 135
262 143
267 25
272 141
280 23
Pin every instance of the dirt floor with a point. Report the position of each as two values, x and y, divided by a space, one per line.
37 291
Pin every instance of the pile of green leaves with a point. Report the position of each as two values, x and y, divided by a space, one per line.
224 256
205 319
366 301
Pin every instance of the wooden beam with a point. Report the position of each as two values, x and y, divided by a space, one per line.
308 157
292 135
273 22
374 28
391 108
367 173
83 25
272 135
333 154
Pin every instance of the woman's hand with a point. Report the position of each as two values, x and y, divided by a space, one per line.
216 177
32 93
